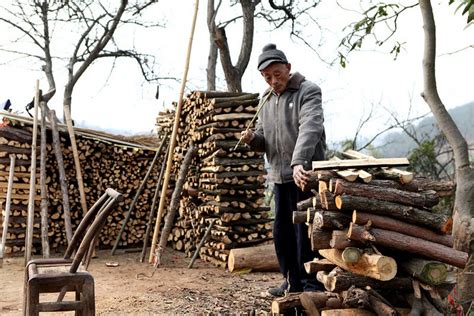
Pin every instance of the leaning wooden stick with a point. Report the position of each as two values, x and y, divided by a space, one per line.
6 219
135 199
259 108
44 190
77 163
31 199
196 253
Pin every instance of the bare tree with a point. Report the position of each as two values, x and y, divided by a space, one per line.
93 26
463 228
277 15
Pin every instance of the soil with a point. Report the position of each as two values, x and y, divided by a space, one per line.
134 288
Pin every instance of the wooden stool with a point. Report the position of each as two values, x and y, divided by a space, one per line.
62 275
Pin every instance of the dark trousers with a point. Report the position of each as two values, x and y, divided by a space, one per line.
292 244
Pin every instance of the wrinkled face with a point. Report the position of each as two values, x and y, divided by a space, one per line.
277 76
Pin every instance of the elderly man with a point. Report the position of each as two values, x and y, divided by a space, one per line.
291 132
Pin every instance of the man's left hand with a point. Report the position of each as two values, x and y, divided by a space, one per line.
300 176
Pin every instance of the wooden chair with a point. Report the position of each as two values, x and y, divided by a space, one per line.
61 275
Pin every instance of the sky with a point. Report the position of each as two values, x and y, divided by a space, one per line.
126 104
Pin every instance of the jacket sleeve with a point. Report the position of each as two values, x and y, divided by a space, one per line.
311 126
258 143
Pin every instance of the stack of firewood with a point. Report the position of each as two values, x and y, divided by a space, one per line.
223 185
381 244
106 161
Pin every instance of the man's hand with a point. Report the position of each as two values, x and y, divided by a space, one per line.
300 176
247 136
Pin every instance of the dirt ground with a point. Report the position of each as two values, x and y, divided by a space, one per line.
130 288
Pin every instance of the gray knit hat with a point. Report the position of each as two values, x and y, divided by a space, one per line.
270 54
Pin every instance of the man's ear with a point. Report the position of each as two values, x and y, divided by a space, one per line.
288 66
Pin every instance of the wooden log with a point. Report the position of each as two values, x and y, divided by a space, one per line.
259 258
388 223
303 205
371 265
318 265
299 217
339 280
320 239
417 199
330 220
409 244
309 305
402 176
351 254
339 240
406 213
287 303
429 272
360 163
347 312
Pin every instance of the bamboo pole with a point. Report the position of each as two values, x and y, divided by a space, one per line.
169 161
44 190
135 199
62 174
31 200
151 215
75 153
8 201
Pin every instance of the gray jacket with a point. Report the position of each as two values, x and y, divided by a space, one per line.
290 128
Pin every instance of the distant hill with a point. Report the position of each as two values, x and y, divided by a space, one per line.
398 144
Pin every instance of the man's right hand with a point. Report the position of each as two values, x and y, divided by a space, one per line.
247 136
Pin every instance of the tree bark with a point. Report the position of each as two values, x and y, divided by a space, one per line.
402 227
463 210
406 213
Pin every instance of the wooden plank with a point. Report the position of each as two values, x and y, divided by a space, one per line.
360 163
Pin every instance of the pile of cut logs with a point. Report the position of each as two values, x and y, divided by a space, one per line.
224 186
106 161
383 249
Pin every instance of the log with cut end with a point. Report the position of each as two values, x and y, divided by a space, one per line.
371 265
409 244
339 240
260 258
406 213
392 224
418 199
347 312
318 265
339 280
330 220
429 272
292 301
320 239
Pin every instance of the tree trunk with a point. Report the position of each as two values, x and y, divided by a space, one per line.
212 57
463 210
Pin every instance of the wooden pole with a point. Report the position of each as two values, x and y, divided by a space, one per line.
31 200
135 199
6 219
44 190
75 153
62 174
151 216
169 161
196 253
